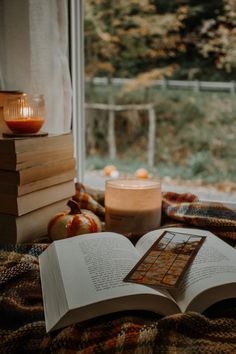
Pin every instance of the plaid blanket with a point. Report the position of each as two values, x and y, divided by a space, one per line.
187 209
22 327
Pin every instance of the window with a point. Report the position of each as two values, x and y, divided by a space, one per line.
117 44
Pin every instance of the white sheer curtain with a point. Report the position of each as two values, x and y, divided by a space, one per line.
34 55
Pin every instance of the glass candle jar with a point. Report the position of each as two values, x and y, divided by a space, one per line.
133 206
25 114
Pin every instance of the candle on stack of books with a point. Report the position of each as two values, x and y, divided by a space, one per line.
24 113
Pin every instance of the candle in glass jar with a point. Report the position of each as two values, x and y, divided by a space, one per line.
25 114
132 206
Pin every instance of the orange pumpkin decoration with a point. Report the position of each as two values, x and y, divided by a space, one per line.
109 170
141 173
73 222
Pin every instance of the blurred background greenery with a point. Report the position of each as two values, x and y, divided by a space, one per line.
154 40
195 135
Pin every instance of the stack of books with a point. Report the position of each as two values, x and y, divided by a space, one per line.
36 180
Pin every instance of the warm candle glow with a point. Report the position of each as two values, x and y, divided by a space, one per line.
26 112
133 207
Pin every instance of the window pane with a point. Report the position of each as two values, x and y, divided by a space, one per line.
159 91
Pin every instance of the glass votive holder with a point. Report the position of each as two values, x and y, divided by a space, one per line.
25 114
132 206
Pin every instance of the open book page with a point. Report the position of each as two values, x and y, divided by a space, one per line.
92 268
210 278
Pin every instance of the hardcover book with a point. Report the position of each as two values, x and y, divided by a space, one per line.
37 172
22 189
36 144
21 205
20 161
31 226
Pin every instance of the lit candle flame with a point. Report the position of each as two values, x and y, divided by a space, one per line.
26 112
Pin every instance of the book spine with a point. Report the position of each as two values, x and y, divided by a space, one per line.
7 146
10 177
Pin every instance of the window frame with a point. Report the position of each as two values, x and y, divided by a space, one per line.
76 49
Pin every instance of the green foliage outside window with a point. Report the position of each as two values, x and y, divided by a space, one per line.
156 39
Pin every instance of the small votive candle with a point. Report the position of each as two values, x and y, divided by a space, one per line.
132 206
25 114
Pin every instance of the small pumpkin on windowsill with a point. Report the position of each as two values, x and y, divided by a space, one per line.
74 222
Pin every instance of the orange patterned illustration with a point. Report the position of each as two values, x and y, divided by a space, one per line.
166 262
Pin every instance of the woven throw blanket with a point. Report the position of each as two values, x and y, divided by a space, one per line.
187 209
22 327
184 209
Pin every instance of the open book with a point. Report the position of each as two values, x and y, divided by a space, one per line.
82 277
